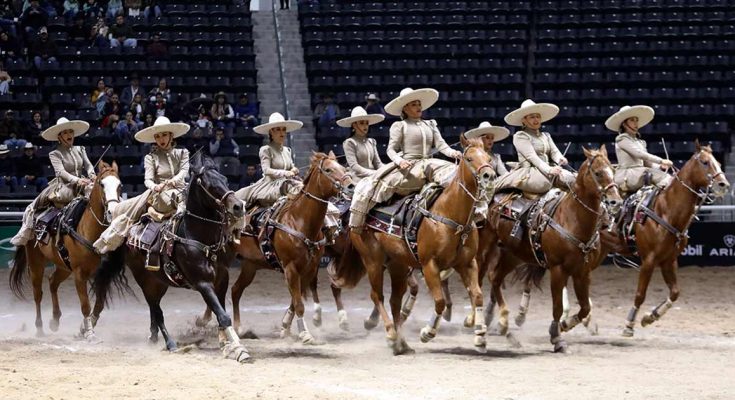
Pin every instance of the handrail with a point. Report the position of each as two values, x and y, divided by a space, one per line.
281 70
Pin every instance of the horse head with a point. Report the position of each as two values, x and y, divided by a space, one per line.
477 162
108 186
597 172
208 190
326 177
703 172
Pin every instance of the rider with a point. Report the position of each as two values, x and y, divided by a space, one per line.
634 162
489 135
70 163
361 152
410 148
536 150
166 169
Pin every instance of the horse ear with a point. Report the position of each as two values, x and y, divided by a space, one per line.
697 146
196 161
331 155
114 166
463 141
587 153
101 167
603 150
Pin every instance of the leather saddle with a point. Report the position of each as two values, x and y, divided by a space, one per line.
49 221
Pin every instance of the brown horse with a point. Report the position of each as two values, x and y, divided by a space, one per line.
298 242
446 239
83 261
568 244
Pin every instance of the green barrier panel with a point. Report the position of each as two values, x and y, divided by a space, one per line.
7 250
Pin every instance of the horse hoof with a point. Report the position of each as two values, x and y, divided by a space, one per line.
344 324
427 334
307 338
502 329
91 338
284 333
647 319
520 320
171 346
246 334
447 313
54 325
370 324
201 322
400 347
40 333
237 352
480 344
469 321
317 320
628 332
561 347
153 339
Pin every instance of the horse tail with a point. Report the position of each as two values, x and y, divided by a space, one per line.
530 273
19 272
347 268
111 273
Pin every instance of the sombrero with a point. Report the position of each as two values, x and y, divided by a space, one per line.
427 97
276 120
359 114
499 133
644 114
547 111
52 134
162 124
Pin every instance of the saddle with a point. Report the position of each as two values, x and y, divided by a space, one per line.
514 205
402 216
146 236
631 213
47 224
264 231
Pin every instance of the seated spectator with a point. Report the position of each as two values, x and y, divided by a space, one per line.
222 111
121 34
10 131
43 49
35 126
246 113
102 101
10 47
148 120
99 33
71 9
156 48
161 88
151 6
79 32
93 10
130 91
373 105
98 91
160 105
33 18
325 113
7 18
137 108
126 129
203 121
29 168
250 176
5 80
133 7
112 108
223 148
7 169
114 8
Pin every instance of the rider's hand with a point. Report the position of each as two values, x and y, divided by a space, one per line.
666 164
404 164
456 154
555 170
158 187
295 170
84 182
290 174
563 161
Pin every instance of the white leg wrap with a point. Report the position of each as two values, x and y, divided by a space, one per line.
630 320
662 308
434 321
231 335
317 308
525 301
480 327
569 323
342 315
565 302
287 319
301 325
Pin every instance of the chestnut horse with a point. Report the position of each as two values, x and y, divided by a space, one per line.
83 261
568 244
298 242
446 239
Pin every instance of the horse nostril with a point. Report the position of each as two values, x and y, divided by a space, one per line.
351 186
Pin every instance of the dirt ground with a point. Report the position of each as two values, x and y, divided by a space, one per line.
688 354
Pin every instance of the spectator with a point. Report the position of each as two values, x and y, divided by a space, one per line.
203 121
113 108
10 47
79 32
10 131
151 6
33 18
98 34
5 80
102 101
148 121
246 113
223 148
156 48
373 105
98 91
133 7
93 11
7 18
136 107
222 111
160 105
129 92
121 33
114 8
126 129
43 49
71 9
7 169
326 112
161 88
29 168
35 126
250 176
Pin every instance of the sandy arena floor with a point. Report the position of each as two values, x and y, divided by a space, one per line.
687 355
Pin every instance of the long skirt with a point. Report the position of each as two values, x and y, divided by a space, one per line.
531 180
632 178
40 202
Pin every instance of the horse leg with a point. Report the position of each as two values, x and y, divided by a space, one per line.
470 280
558 281
498 277
523 305
36 266
375 276
581 290
316 319
669 273
433 281
293 279
344 324
247 274
447 314
587 321
86 330
644 278
398 288
407 308
229 341
153 291
59 275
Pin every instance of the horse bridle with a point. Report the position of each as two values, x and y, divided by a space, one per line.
220 202
602 191
476 176
703 196
336 183
106 203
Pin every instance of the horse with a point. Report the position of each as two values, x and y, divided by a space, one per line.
297 240
196 244
447 238
567 248
78 256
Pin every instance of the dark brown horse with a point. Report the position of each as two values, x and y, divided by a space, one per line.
83 261
446 239
568 244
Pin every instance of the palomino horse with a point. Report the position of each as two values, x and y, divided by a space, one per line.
567 247
82 259
298 241
197 250
446 239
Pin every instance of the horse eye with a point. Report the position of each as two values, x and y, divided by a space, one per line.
469 159
328 170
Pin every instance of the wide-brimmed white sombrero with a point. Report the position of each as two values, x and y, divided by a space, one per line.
359 114
162 124
276 120
426 96
528 107
499 133
4 149
52 134
644 113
